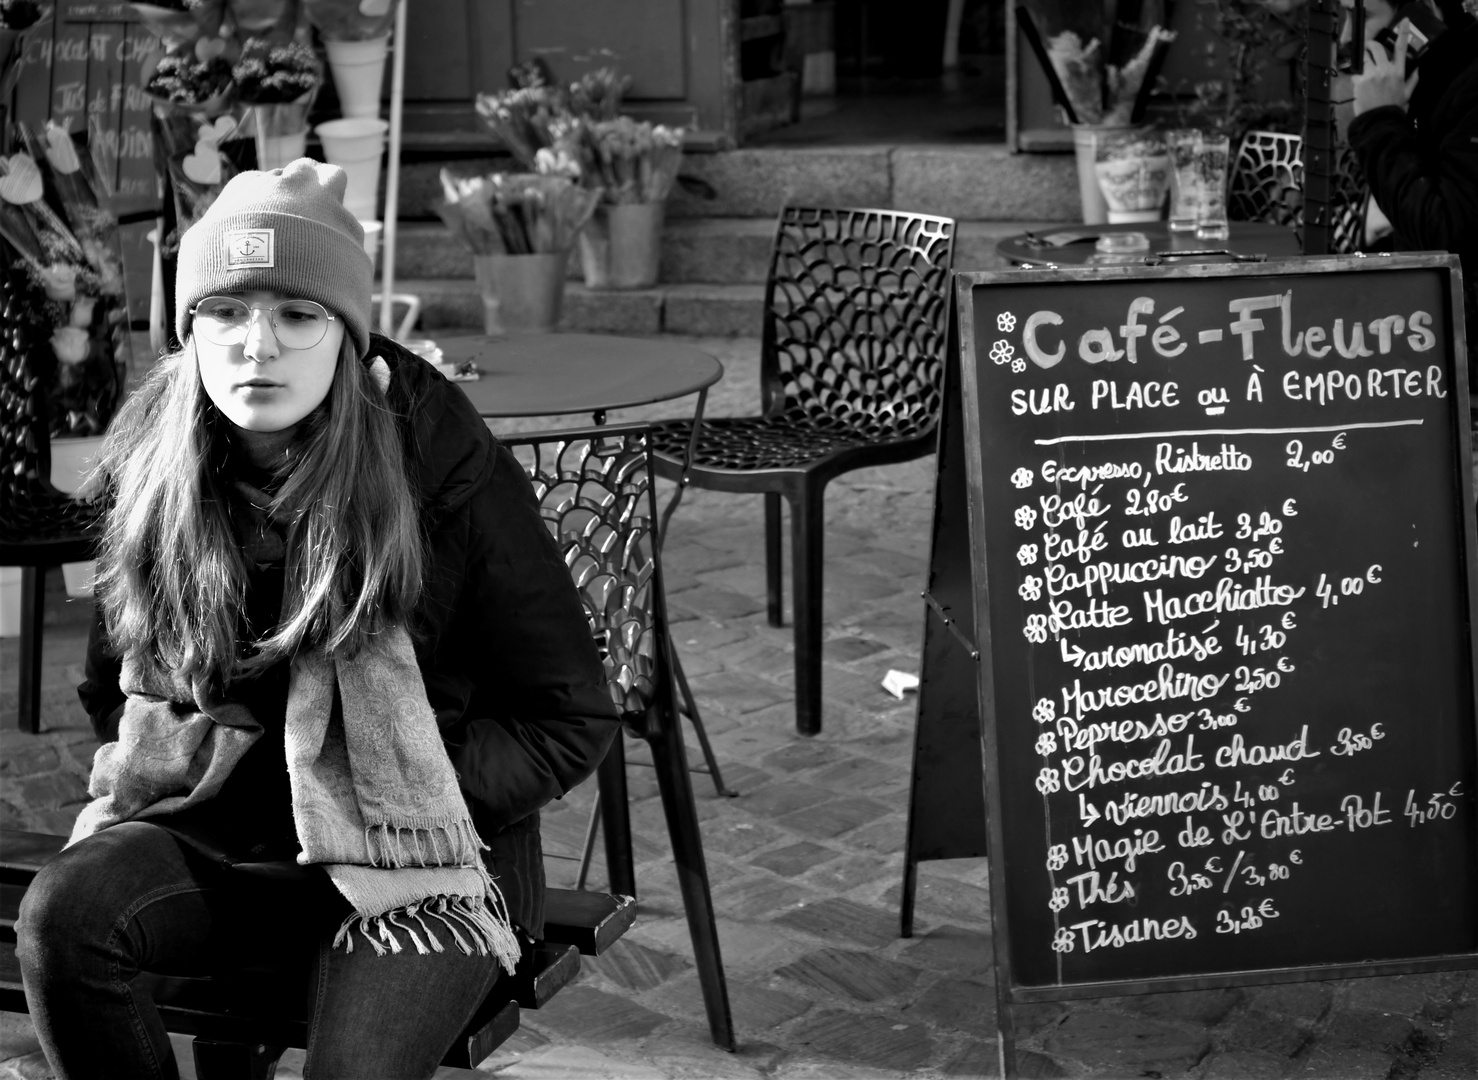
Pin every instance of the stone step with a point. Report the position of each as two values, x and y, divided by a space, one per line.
728 251
700 310
970 183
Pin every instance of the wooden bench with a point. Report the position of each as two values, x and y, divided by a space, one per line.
242 1023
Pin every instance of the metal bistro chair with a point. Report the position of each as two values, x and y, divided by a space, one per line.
40 528
1267 185
596 495
851 372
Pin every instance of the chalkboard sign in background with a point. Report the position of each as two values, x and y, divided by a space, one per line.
85 72
1223 559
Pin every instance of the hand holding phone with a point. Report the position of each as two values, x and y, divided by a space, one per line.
1384 80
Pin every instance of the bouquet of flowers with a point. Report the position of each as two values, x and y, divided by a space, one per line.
18 20
597 94
278 79
523 117
350 20
516 213
275 72
52 216
631 161
182 78
1101 68
468 213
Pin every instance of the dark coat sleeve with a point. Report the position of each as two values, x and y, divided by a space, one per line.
1426 182
514 677
99 689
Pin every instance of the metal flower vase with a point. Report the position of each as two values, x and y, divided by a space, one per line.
521 293
621 246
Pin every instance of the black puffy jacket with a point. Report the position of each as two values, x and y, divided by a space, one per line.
1422 163
504 649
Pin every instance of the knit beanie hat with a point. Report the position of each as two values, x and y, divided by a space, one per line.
286 231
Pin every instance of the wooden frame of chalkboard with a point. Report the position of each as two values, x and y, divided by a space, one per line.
1204 544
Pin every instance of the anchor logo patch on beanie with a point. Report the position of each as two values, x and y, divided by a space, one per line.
247 248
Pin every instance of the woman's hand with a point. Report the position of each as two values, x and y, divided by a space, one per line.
1384 81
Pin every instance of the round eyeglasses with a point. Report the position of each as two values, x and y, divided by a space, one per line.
298 324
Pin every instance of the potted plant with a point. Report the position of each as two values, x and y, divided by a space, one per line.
278 79
520 228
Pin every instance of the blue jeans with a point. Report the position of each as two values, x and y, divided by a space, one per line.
132 898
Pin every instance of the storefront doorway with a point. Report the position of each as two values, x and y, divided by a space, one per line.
928 71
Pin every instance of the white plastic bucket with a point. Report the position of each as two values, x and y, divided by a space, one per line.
359 71
356 145
72 461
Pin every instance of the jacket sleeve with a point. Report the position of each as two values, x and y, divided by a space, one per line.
99 689
516 658
1431 202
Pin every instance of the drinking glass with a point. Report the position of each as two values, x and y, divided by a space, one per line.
1213 153
1185 187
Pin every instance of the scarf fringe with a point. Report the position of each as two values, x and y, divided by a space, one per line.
452 841
484 921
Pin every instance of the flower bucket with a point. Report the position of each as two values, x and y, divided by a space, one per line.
621 246
373 230
359 71
1085 146
527 290
282 132
356 145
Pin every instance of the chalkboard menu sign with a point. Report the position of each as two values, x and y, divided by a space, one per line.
1217 604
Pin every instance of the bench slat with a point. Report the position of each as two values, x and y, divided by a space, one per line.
590 921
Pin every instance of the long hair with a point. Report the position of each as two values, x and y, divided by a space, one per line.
171 575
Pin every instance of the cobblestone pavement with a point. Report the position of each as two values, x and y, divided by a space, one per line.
806 863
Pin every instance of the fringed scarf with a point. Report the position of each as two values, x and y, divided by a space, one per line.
375 798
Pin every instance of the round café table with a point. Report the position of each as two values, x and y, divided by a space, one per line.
1074 245
557 374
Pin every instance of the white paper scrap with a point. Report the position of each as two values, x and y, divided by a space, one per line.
897 682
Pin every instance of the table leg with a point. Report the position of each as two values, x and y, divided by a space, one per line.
682 481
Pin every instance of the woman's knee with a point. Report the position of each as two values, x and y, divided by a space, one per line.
79 899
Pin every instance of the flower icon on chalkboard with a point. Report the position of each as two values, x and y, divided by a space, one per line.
1062 941
1022 478
1046 743
1005 322
1044 712
1059 898
1002 351
1030 589
1056 856
1018 365
1026 517
1026 555
1035 629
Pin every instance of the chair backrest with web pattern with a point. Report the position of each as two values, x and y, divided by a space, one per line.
595 494
1267 185
856 307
